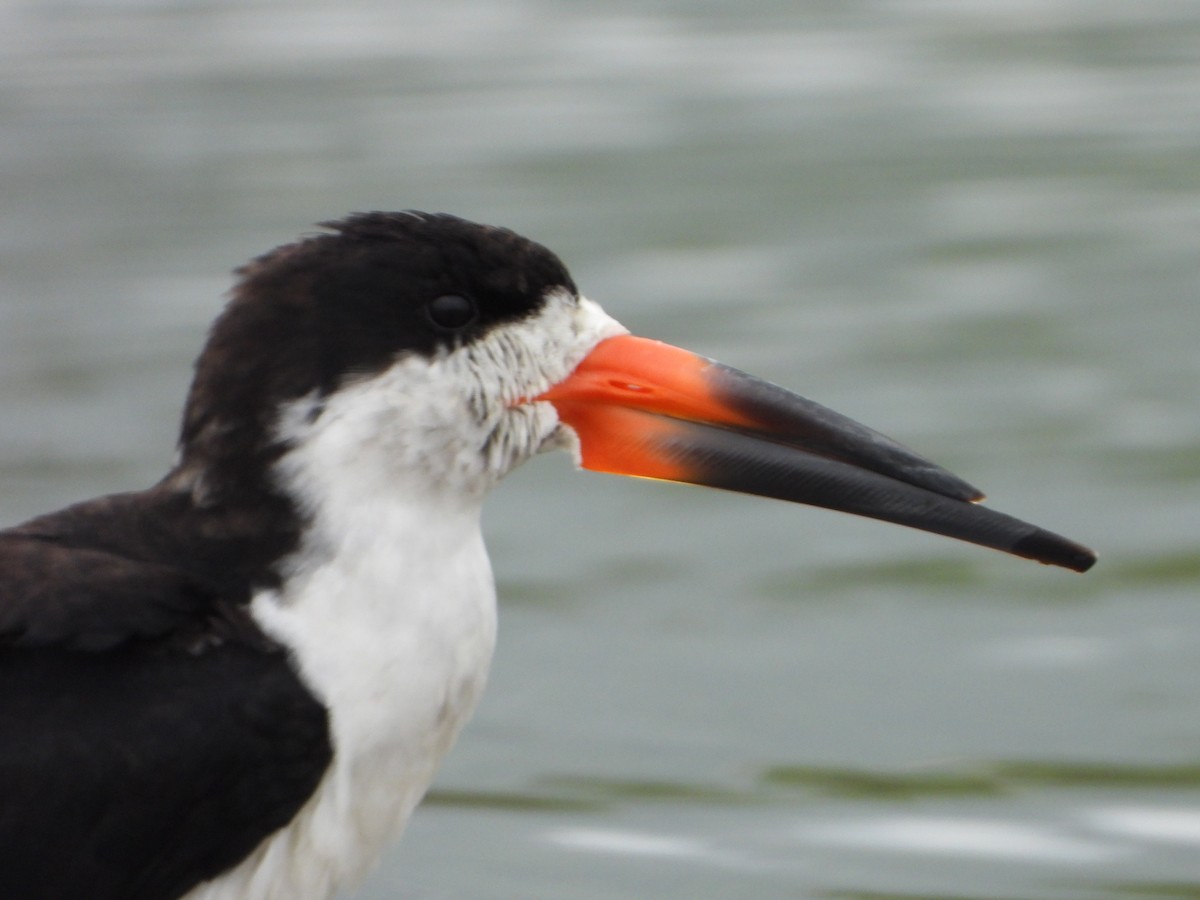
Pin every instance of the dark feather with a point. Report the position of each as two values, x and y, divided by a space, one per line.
133 774
150 734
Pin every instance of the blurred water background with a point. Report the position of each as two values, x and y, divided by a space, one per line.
973 225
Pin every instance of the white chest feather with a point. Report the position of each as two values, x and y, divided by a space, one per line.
396 640
388 609
388 606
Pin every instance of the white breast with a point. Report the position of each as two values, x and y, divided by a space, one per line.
396 640
388 606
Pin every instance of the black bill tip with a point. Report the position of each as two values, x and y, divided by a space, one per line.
1054 550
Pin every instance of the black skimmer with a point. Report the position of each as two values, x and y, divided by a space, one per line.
239 682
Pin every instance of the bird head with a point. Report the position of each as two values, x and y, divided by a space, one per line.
428 356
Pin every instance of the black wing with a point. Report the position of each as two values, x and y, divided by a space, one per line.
150 735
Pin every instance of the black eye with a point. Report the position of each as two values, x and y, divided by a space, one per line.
451 311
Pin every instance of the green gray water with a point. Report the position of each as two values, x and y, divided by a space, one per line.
974 226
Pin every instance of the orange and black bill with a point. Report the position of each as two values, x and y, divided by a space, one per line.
643 408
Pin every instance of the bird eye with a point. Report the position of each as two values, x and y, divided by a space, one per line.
451 311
